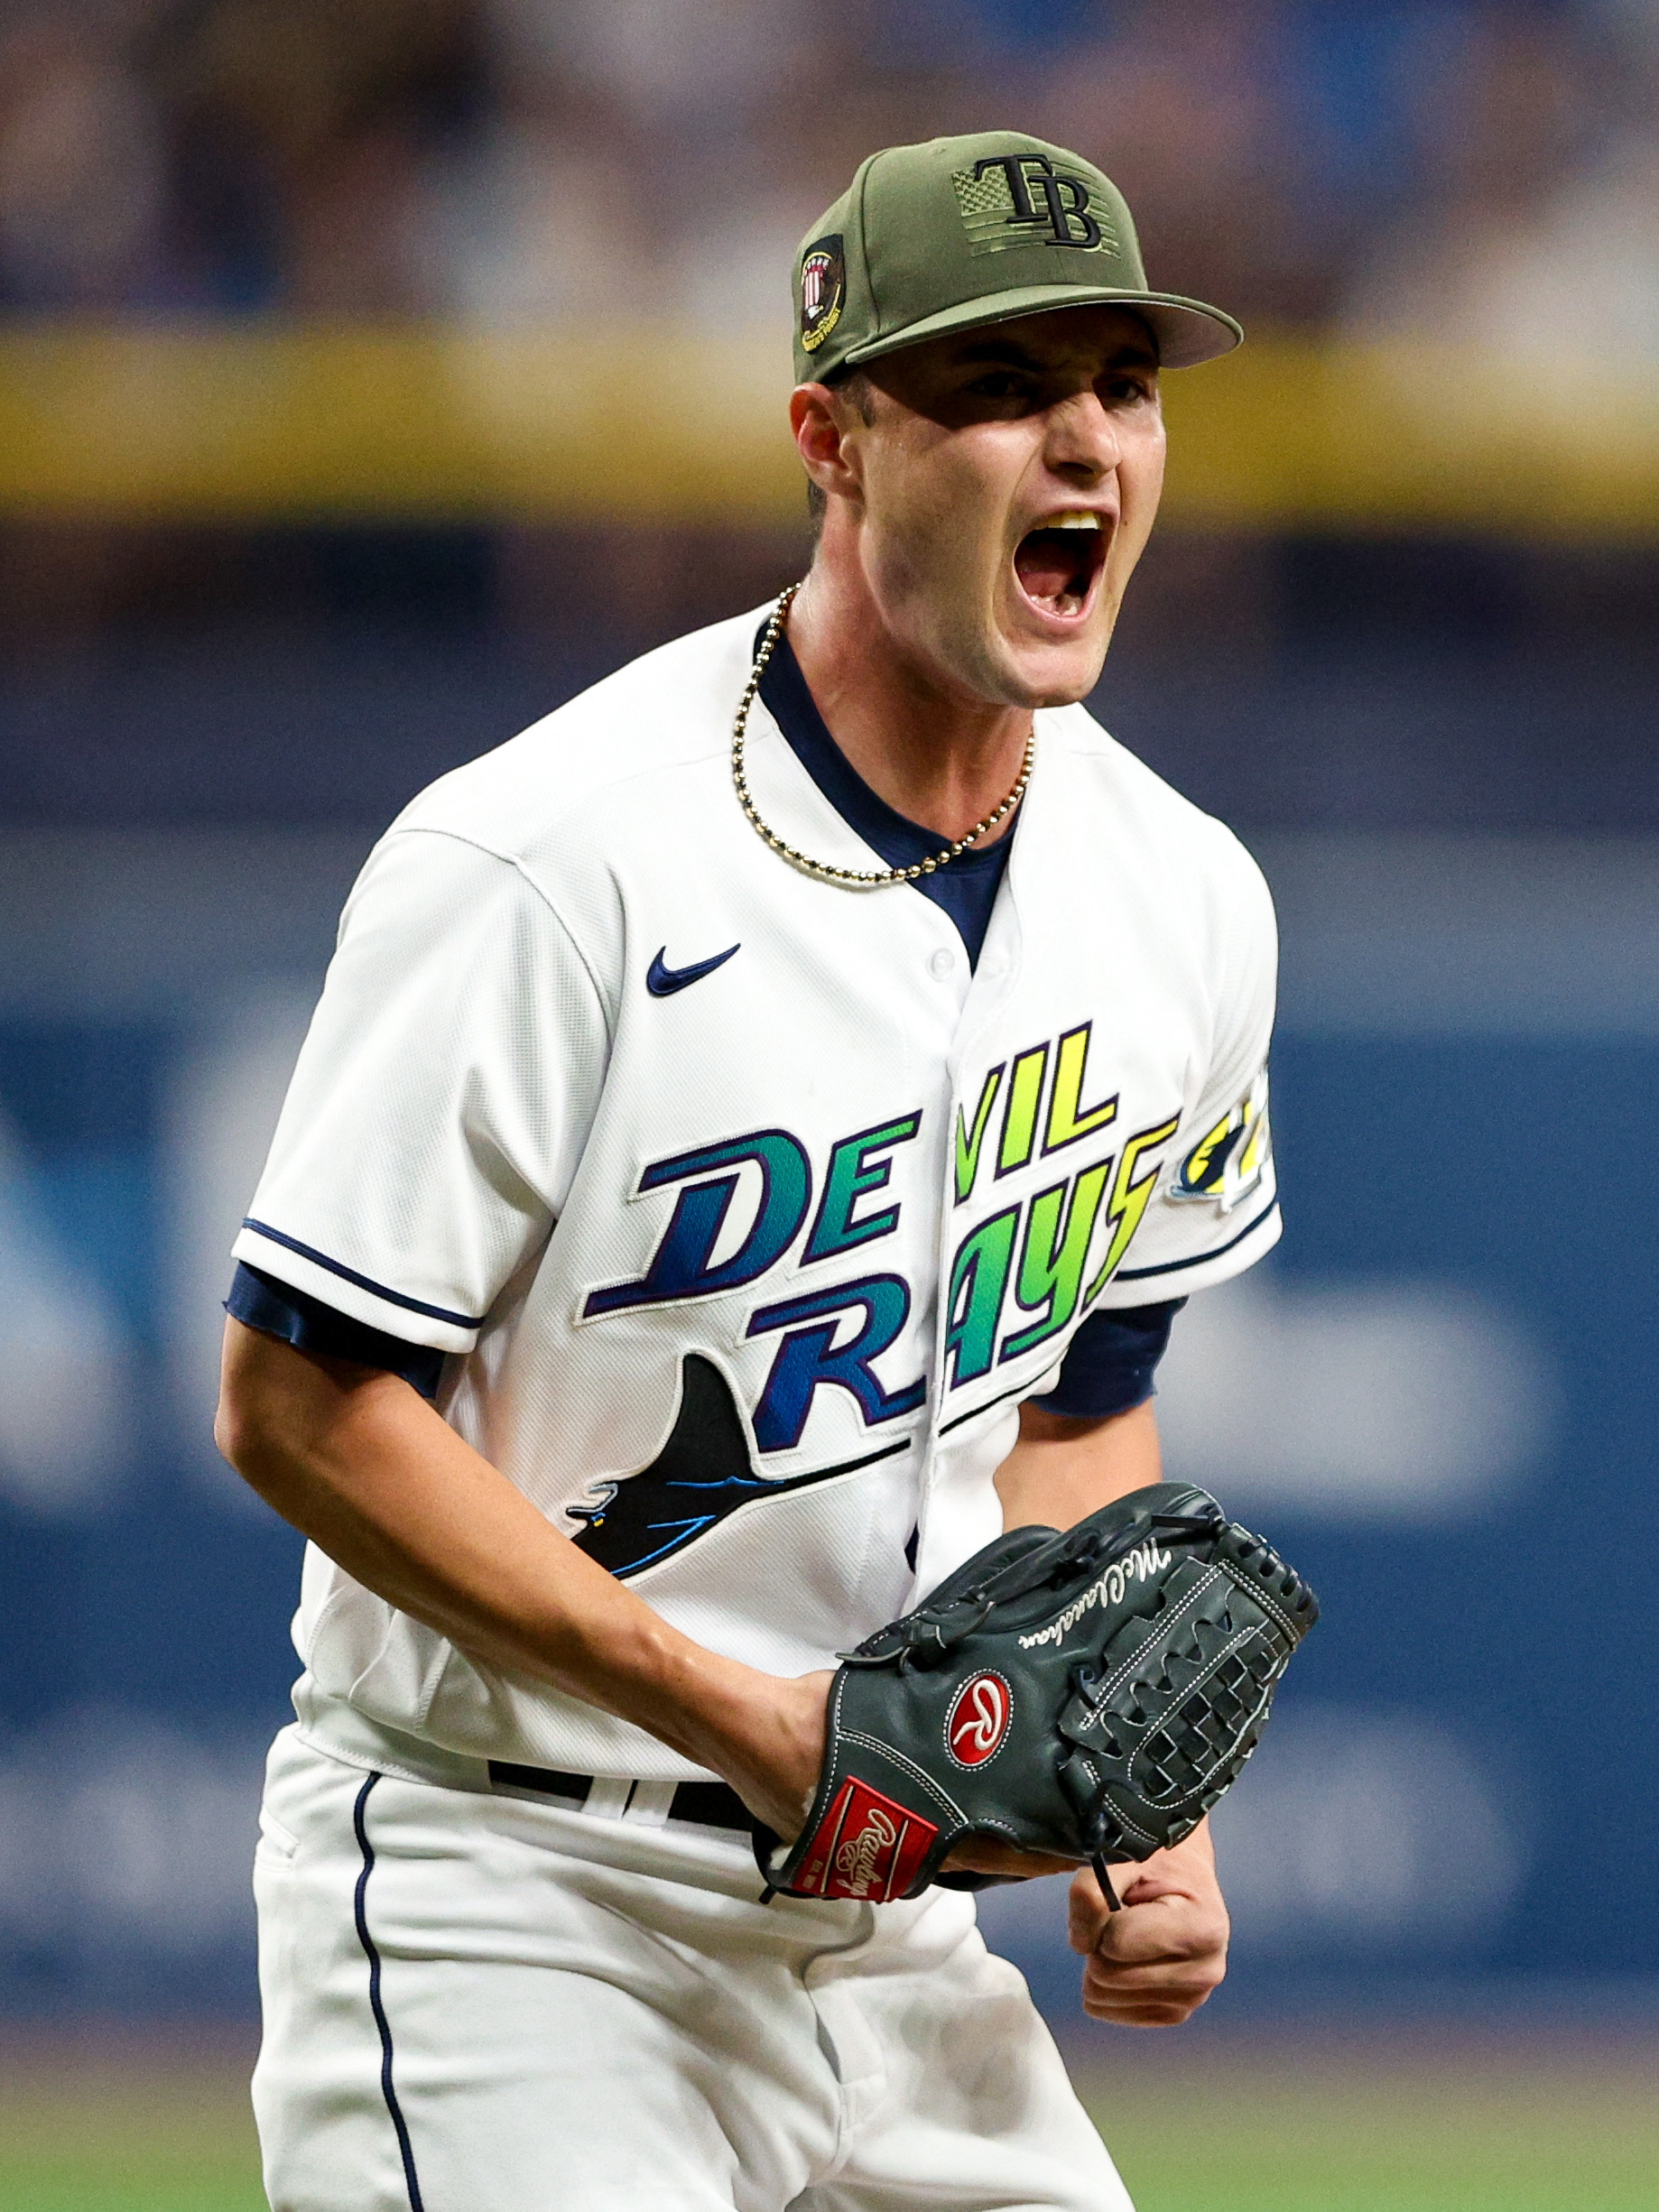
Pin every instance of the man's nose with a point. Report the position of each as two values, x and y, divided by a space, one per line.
1082 440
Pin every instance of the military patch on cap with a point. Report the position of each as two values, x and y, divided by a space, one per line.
823 290
1011 199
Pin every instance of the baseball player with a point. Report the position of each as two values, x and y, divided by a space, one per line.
756 1130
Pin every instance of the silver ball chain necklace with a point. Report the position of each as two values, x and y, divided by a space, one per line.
853 879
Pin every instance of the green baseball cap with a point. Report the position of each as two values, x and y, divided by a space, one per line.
963 231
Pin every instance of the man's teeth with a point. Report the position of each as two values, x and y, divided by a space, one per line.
1077 518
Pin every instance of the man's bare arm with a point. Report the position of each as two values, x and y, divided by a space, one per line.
1154 1963
1061 1469
360 1463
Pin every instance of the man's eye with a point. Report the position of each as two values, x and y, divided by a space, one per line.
1000 384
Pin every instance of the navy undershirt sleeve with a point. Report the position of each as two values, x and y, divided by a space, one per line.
1109 1363
967 889
260 1302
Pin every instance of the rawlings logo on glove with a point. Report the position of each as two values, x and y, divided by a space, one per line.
865 1846
979 1720
1089 1695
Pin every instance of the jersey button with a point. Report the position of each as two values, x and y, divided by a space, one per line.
941 962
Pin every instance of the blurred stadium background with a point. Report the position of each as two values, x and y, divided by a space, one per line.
374 372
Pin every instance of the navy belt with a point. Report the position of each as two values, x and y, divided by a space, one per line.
711 1804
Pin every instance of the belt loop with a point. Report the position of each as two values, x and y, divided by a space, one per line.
652 1803
609 1798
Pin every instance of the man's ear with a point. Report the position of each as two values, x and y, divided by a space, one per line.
823 422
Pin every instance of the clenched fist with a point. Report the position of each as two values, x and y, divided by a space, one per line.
1154 1963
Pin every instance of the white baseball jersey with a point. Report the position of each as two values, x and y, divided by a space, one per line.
749 1211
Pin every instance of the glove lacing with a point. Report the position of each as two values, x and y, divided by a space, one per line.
904 1642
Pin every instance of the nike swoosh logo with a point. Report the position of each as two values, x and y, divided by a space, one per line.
663 981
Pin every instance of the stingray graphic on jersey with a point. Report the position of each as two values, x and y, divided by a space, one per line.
702 1475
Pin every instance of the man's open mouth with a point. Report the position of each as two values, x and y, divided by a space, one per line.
1057 565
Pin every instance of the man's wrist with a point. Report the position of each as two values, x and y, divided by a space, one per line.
716 1711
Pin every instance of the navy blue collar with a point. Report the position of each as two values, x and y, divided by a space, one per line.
966 890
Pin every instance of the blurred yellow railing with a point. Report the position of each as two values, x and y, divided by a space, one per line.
205 422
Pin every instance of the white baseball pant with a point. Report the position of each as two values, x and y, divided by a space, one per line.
486 2002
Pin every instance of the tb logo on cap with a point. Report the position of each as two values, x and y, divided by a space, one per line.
999 209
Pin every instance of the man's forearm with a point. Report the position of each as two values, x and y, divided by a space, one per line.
361 1463
1062 1469
366 1467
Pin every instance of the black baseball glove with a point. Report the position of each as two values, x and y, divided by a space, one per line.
1091 1696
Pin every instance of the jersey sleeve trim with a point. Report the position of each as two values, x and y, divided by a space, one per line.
365 1283
1262 1234
304 1268
1202 1259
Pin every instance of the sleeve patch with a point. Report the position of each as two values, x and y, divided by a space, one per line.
1230 1160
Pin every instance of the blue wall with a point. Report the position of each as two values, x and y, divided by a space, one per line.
1521 1171
1478 1665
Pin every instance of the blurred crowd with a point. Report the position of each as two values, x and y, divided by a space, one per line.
1484 169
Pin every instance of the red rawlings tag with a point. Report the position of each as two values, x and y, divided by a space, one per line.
867 1847
978 1719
